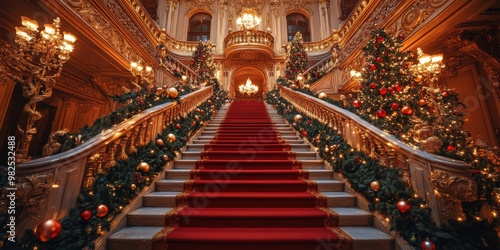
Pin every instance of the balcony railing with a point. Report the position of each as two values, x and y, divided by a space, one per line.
49 187
443 182
249 36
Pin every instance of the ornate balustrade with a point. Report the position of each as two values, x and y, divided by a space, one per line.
443 182
248 36
176 67
48 187
319 69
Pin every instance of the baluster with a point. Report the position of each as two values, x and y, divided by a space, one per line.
133 135
111 153
90 169
122 156
140 132
149 123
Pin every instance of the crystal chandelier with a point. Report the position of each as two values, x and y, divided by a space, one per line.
249 88
428 65
35 65
143 73
248 19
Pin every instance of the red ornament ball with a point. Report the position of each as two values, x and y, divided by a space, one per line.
394 106
398 87
427 245
379 59
382 91
450 148
304 133
373 67
177 126
422 102
407 110
381 113
390 89
446 93
356 104
401 37
102 211
373 85
456 112
403 206
48 230
86 215
379 39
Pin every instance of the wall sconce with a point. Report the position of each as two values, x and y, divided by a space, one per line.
36 65
143 73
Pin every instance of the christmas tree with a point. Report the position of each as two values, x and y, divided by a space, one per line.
296 59
203 61
401 101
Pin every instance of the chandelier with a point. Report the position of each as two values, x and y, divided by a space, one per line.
35 65
249 88
428 65
248 19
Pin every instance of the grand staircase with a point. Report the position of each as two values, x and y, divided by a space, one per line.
145 222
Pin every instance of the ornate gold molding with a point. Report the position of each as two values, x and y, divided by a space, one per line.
452 190
31 195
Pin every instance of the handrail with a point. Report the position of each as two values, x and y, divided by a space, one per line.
441 181
175 66
55 181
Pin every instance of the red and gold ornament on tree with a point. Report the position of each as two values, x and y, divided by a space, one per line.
102 211
403 206
373 66
394 106
177 126
381 113
422 102
450 148
375 186
86 215
143 166
407 110
356 104
373 85
304 133
382 91
48 230
159 142
398 87
427 245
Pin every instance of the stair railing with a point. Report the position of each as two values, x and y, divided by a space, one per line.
443 182
48 187
176 67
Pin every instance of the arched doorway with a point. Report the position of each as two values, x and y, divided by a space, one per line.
248 83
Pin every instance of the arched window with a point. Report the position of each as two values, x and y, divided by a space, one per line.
199 27
298 22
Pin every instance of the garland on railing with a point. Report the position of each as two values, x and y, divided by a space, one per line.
113 190
133 103
384 188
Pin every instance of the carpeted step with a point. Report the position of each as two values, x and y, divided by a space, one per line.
245 155
288 141
251 238
249 164
255 217
315 174
225 147
223 182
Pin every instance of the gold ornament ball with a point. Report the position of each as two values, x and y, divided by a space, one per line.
322 95
407 110
327 150
143 166
375 186
159 142
102 211
418 78
196 117
422 102
165 157
48 230
297 118
133 186
171 137
172 92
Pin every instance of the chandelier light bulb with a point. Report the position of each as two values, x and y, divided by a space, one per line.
69 37
50 29
29 23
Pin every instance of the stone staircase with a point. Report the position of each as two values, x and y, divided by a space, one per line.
144 222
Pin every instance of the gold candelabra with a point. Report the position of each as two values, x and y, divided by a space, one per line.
143 74
35 65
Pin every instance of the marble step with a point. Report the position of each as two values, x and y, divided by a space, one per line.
306 164
201 147
190 155
155 216
177 185
167 199
314 174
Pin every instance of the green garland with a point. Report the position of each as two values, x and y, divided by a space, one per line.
121 184
360 170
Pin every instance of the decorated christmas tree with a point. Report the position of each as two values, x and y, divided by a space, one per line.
296 59
203 61
401 101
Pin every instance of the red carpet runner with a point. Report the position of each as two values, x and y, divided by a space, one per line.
249 193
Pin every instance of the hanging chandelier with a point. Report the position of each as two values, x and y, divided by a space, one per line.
248 19
249 88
